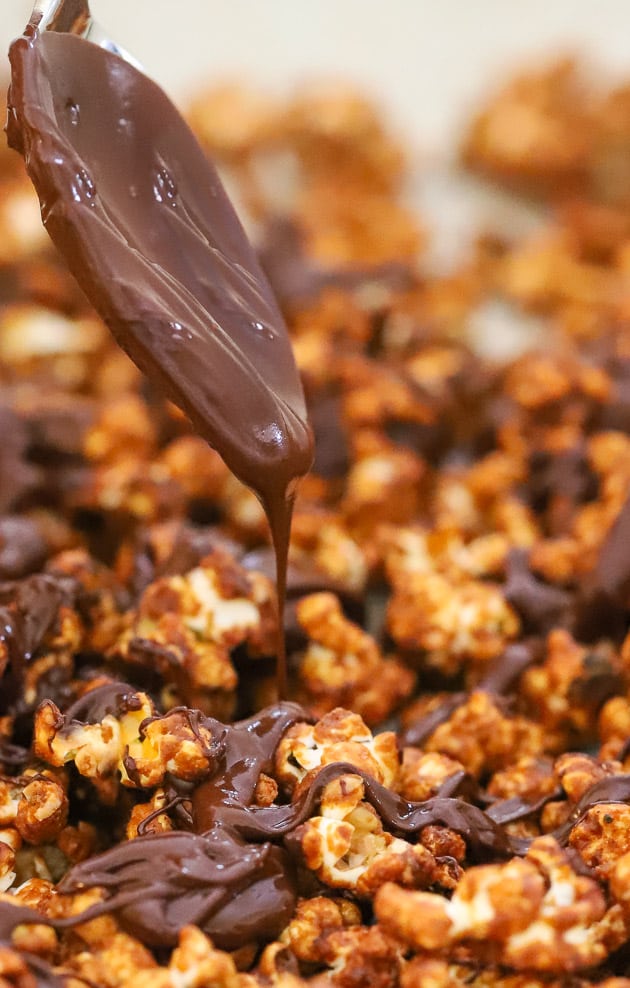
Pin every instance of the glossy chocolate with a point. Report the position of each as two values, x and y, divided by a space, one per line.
234 891
248 748
144 224
109 700
28 609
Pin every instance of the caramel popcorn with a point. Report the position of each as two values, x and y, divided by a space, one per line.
509 907
342 664
450 623
340 736
348 849
189 624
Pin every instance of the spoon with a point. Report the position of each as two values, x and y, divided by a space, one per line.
143 222
74 17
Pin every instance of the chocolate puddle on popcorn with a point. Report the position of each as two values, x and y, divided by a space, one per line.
144 224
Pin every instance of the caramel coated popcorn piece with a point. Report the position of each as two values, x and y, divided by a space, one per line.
194 963
535 913
482 738
422 774
340 736
190 624
137 745
97 750
452 623
537 130
347 847
602 836
42 811
567 689
314 920
342 664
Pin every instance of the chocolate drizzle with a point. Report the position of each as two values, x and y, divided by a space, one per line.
501 679
112 699
247 749
231 874
234 891
28 609
144 224
540 605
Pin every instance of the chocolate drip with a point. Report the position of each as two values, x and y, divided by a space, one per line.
239 891
144 224
540 605
28 608
604 600
273 822
481 829
418 731
235 890
18 477
12 915
230 877
614 789
500 680
112 699
248 748
23 550
504 673
509 810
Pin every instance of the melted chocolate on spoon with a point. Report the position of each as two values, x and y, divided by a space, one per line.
144 224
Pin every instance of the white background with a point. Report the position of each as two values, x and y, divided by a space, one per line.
428 61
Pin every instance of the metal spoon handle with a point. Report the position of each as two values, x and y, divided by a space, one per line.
74 17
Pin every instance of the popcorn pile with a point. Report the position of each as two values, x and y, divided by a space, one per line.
447 801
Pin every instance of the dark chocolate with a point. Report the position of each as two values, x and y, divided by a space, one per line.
144 224
540 606
500 680
112 699
234 891
18 477
248 748
28 608
611 576
230 875
23 549
604 599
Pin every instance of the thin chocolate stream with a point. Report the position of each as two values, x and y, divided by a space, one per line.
145 226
